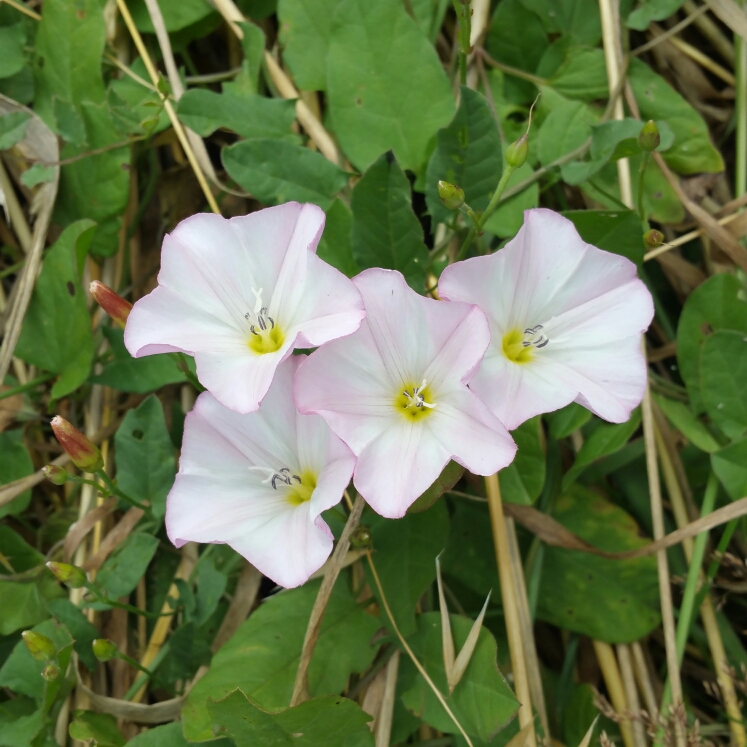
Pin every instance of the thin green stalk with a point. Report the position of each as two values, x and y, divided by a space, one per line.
715 563
133 663
641 173
114 490
28 385
140 681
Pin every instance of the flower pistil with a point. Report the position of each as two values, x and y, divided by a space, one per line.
266 336
298 488
413 401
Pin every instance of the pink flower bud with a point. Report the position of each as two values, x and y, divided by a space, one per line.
112 303
78 447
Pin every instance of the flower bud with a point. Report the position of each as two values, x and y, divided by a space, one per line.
360 538
70 575
79 448
649 138
55 474
104 649
653 238
516 153
112 303
41 647
51 672
451 195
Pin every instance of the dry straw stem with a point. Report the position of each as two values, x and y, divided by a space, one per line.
731 14
510 610
314 128
643 677
625 660
301 685
664 35
615 688
409 652
383 725
703 60
712 32
23 9
176 124
14 211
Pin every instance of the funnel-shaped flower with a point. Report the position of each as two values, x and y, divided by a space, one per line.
239 295
566 321
259 482
396 393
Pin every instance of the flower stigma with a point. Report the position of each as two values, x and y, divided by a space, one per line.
413 401
519 347
266 336
298 488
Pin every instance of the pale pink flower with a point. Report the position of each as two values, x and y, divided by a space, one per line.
396 392
260 481
240 295
566 321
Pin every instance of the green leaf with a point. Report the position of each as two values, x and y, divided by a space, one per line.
522 481
70 125
616 601
652 10
169 735
606 439
723 373
37 174
334 246
100 727
275 171
253 44
15 463
449 477
12 127
617 231
177 14
682 418
56 334
305 32
386 232
20 722
121 571
138 375
386 87
250 115
406 552
568 419
19 87
12 40
145 455
482 701
468 154
577 19
693 150
429 15
322 722
718 303
565 128
211 583
582 74
131 104
730 466
262 656
509 217
23 605
80 628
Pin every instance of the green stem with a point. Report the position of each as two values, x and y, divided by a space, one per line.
114 490
28 385
140 681
464 31
134 663
641 174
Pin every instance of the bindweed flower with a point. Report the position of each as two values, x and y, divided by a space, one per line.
78 446
112 303
239 295
260 481
566 321
396 393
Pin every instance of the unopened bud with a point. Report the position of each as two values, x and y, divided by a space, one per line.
112 303
70 575
78 447
104 649
51 672
653 238
649 138
516 153
41 647
360 537
55 474
451 195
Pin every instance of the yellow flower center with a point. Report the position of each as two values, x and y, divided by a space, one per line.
514 348
415 402
300 492
267 341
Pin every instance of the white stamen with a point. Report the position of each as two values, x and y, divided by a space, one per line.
416 399
282 475
257 301
534 337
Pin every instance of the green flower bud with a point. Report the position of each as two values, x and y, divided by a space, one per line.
51 672
41 647
649 138
451 195
70 575
653 238
55 474
104 649
516 153
360 538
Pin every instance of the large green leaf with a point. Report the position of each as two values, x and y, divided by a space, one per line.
335 245
330 721
12 39
250 115
275 171
682 418
121 572
565 128
482 701
15 463
56 334
387 89
13 128
693 150
718 303
386 232
145 455
582 74
177 14
406 552
522 481
617 231
611 600
168 735
723 375
652 10
730 466
577 20
262 657
468 154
